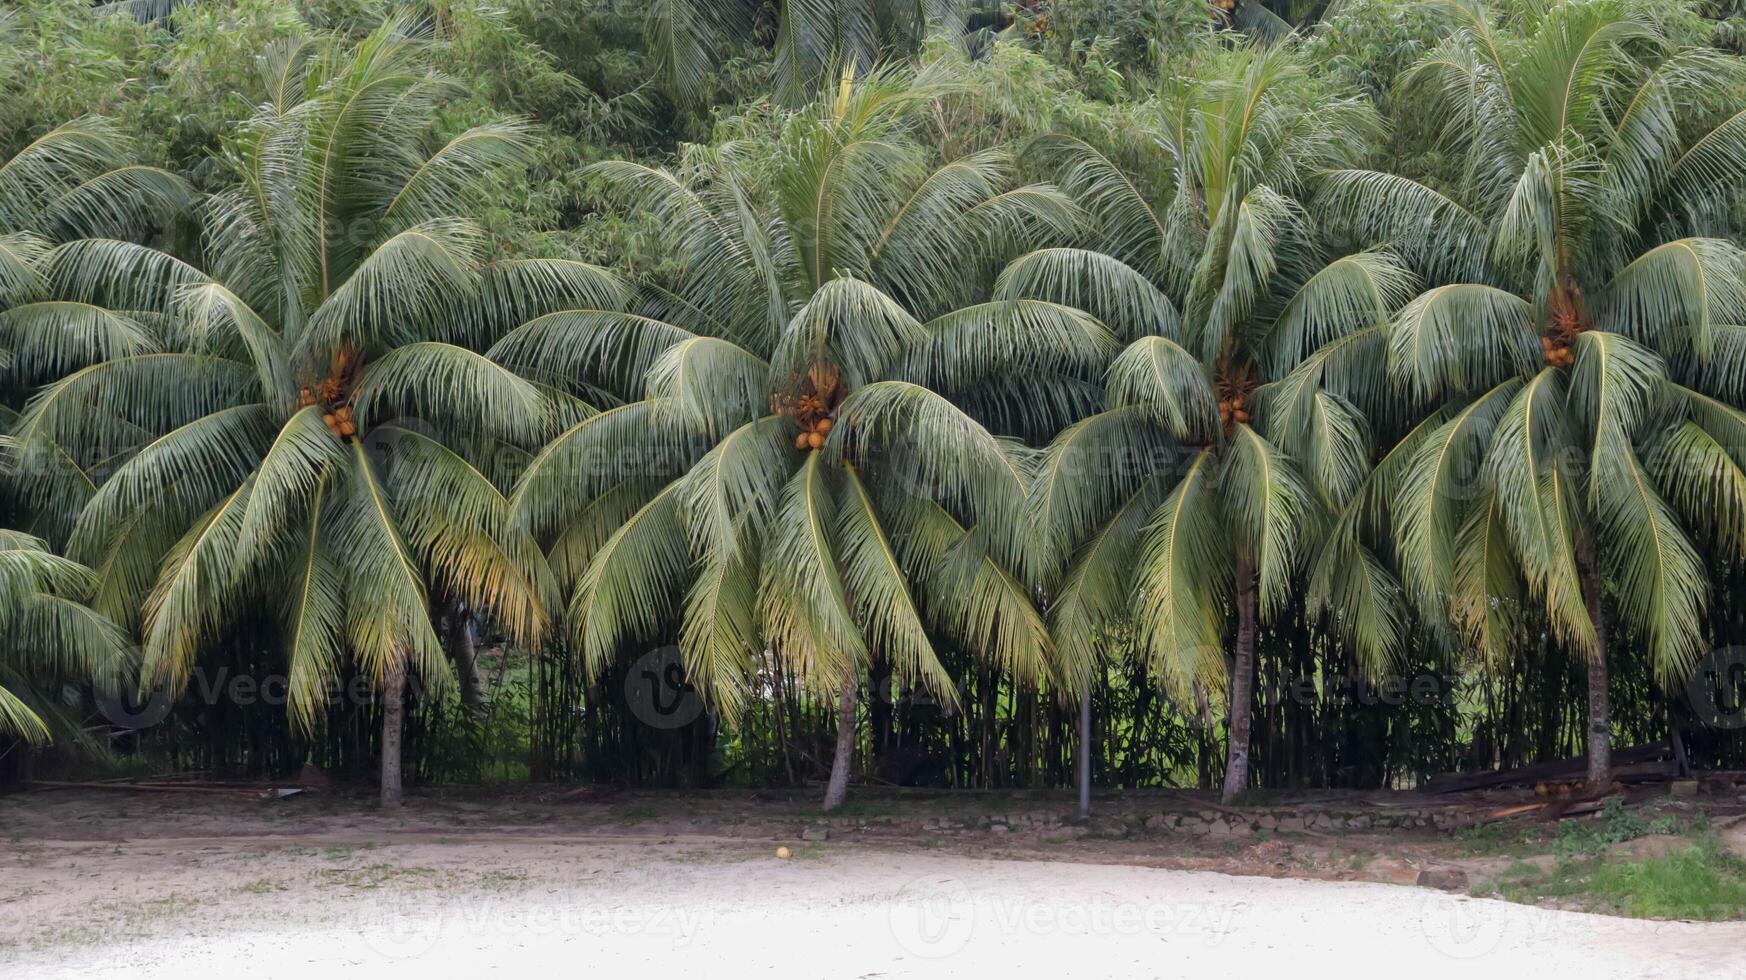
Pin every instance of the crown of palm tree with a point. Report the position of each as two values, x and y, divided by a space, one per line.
1574 361
303 427
1214 458
804 450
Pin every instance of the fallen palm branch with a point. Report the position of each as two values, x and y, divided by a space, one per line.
1635 764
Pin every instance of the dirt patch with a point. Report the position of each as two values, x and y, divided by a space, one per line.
85 846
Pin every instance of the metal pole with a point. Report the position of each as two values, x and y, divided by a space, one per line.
1085 753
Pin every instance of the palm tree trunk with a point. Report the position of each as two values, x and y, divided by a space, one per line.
1085 753
838 788
393 721
1242 686
465 653
1600 727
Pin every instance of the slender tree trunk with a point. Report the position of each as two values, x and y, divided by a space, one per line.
1600 726
1242 686
880 714
779 724
1085 753
393 722
838 788
1681 761
463 650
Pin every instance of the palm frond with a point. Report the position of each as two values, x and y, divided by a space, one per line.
1485 593
805 606
455 387
1460 337
51 338
1349 294
1527 468
1672 295
1102 285
633 581
219 322
1662 584
1430 230
195 594
879 591
1357 595
314 615
442 184
969 595
1097 593
945 456
388 625
287 477
1184 578
458 525
1700 468
1271 510
604 348
708 384
186 471
730 496
407 282
1088 473
1167 385
1442 476
989 340
850 325
591 457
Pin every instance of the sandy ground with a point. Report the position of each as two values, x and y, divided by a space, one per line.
369 902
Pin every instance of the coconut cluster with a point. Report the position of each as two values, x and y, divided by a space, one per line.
813 437
1567 321
1233 410
813 406
338 418
333 394
1557 351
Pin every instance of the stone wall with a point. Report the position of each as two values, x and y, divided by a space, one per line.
1195 822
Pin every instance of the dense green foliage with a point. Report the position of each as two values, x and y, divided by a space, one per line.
1351 384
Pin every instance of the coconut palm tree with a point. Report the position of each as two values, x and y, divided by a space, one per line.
302 427
687 36
797 449
1192 495
46 632
1576 360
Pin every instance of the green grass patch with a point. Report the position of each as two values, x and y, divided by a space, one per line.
1496 839
1701 881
